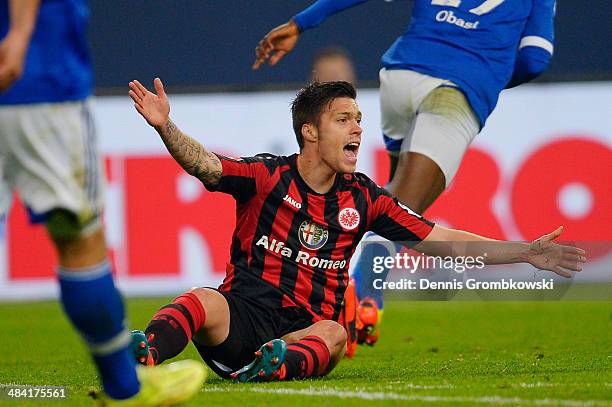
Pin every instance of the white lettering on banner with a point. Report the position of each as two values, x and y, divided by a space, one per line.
528 127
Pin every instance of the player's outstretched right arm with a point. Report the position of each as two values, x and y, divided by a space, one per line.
190 154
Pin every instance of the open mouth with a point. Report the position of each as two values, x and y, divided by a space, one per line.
350 151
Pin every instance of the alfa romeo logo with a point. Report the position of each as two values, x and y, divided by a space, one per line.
349 218
312 235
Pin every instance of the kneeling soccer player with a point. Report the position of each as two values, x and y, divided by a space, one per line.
299 220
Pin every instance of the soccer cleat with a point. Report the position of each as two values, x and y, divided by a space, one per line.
140 348
367 313
266 366
164 385
368 335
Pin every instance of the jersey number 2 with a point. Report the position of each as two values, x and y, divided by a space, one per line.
484 8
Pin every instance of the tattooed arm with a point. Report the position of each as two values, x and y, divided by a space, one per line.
190 154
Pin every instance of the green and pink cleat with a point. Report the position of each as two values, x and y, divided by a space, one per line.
266 366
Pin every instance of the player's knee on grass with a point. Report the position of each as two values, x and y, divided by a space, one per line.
334 336
204 295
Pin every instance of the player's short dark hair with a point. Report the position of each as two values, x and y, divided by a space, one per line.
310 101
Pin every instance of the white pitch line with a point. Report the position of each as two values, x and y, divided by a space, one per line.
537 384
397 385
365 395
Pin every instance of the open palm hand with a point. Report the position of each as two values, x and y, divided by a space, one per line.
545 254
155 108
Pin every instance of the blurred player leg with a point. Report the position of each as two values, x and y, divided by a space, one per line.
53 162
418 181
427 126
401 92
59 175
444 127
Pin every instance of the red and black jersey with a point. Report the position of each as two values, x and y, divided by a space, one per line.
292 246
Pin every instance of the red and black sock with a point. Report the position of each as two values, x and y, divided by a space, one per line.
308 357
173 326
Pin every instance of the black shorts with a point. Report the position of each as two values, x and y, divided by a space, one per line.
251 325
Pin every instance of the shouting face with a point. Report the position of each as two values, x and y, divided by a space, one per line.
339 135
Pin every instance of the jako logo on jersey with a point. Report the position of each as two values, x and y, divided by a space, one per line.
292 202
349 218
448 16
312 235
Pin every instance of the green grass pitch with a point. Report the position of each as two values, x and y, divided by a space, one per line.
429 353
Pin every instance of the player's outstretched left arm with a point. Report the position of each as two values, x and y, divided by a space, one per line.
542 253
191 155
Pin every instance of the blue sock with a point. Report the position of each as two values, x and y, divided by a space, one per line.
363 274
95 308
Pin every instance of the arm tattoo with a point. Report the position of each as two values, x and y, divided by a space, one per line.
191 155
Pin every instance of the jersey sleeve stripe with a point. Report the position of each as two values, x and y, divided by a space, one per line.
535 41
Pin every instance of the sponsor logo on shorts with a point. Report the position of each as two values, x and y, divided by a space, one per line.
312 235
349 218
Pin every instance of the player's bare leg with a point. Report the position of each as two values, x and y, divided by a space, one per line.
200 314
83 251
433 146
417 181
217 325
88 295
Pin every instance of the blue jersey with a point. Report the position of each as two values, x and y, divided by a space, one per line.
480 45
57 66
